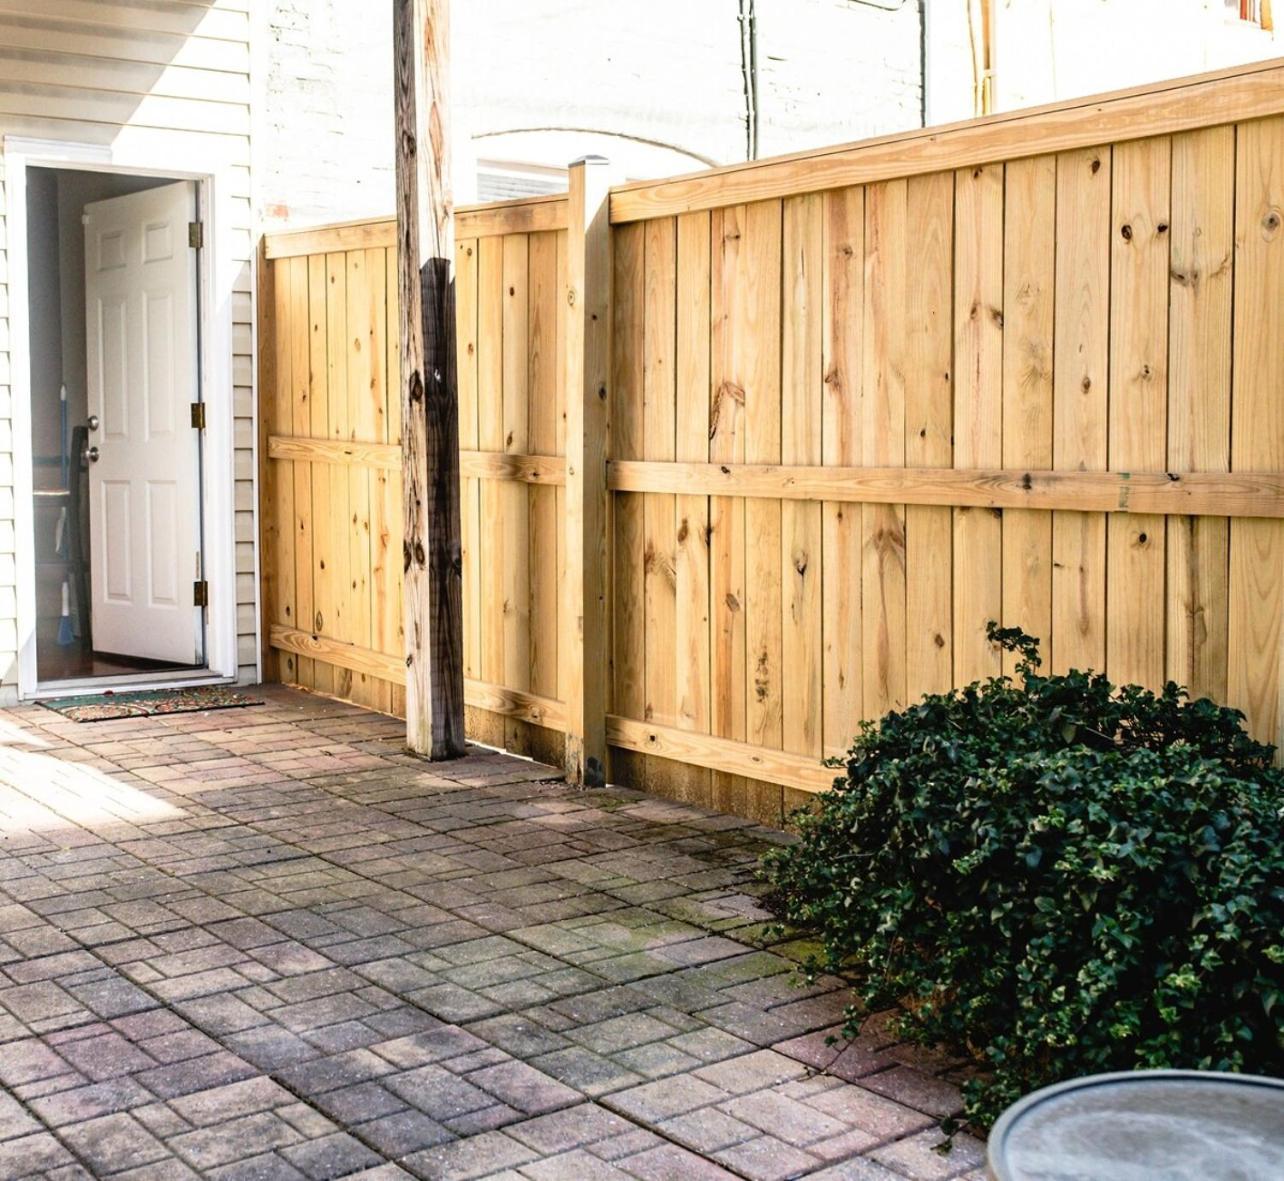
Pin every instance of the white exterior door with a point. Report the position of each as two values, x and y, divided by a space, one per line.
144 508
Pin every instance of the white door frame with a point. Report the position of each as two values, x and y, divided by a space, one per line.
215 284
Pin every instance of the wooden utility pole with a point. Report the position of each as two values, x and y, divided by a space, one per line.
429 388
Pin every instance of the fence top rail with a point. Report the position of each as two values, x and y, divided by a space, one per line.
513 203
1250 91
334 236
524 215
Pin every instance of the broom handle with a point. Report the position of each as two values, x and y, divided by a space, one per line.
63 457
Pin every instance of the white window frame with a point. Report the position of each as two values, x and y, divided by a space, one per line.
216 278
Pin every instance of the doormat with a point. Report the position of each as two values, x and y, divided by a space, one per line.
146 703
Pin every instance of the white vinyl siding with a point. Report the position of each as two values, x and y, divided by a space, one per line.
161 79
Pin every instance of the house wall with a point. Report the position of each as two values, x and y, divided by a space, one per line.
157 82
656 88
1045 51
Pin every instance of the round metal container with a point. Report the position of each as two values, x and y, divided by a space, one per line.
1147 1125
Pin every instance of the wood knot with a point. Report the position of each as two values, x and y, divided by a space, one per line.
1096 165
728 392
762 677
1125 232
733 603
1086 384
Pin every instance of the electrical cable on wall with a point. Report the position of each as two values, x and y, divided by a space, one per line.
748 18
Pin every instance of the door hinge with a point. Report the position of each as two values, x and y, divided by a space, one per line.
196 234
198 416
201 593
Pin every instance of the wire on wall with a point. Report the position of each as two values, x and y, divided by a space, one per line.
748 19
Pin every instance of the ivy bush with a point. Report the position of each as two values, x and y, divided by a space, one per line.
1057 875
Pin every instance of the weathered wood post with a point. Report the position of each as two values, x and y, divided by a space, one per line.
588 361
433 564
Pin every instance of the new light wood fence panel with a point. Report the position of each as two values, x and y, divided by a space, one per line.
331 471
330 437
858 404
510 306
1086 317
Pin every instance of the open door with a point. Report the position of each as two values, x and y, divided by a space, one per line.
144 470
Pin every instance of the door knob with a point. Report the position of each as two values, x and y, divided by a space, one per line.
91 454
93 422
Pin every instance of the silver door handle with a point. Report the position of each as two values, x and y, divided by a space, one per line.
93 422
91 454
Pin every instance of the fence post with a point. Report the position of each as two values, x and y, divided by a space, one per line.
588 354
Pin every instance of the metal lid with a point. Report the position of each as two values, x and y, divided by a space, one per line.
1179 1125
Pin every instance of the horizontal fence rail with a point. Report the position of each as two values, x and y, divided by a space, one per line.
837 410
1199 494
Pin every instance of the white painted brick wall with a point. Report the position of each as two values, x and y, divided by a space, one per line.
657 87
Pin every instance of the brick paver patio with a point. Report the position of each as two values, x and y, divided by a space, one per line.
264 943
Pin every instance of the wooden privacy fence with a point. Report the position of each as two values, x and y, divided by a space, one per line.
852 405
